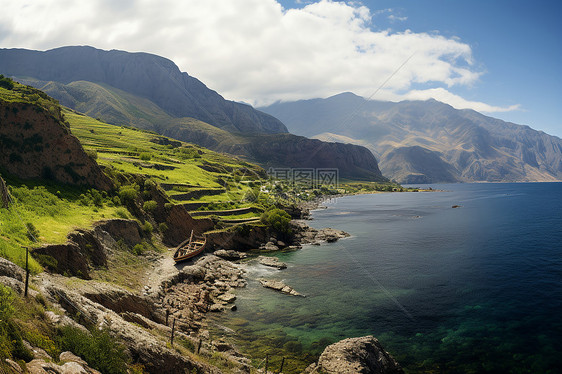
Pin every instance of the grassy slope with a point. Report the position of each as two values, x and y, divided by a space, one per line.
53 210
131 150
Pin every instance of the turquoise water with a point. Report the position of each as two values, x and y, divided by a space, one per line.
472 289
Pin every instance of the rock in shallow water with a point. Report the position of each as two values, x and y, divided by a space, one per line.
272 262
279 286
363 355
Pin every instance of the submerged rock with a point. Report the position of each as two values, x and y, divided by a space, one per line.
279 286
356 356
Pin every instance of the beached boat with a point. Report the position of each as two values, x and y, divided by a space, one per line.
190 248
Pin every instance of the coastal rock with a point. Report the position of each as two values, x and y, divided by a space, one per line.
201 288
357 355
279 286
42 363
272 262
230 255
227 297
269 247
305 234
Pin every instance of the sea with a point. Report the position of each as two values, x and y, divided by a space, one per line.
465 279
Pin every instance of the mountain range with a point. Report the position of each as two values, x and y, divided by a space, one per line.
150 92
428 141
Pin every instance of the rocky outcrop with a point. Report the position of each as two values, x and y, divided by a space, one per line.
180 223
122 301
68 363
363 355
240 238
35 144
11 270
143 346
230 255
86 249
203 287
305 234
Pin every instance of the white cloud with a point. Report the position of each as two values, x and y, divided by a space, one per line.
395 18
253 50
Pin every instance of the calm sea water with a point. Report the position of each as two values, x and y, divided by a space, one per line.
471 289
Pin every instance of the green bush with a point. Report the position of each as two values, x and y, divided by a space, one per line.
32 232
122 213
147 227
6 82
145 156
277 219
149 205
128 193
162 227
98 348
138 249
11 344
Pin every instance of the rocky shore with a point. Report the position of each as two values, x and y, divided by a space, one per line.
176 297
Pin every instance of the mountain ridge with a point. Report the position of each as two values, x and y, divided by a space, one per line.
100 91
463 145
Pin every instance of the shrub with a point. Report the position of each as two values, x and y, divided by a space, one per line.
98 348
121 213
145 156
162 227
278 219
10 337
147 227
149 205
32 232
128 193
138 249
6 82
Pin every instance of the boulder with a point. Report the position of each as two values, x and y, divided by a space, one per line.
357 355
11 270
230 254
272 262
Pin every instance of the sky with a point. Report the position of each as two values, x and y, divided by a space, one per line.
499 57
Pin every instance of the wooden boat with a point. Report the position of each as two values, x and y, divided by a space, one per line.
190 248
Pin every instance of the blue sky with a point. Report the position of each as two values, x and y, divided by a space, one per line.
496 56
516 43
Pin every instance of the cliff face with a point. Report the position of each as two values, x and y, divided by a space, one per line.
35 144
287 150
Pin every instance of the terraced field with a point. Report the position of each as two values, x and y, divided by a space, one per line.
190 175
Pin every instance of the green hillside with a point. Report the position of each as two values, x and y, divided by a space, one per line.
180 167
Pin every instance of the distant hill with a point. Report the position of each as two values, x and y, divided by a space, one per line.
150 92
428 141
